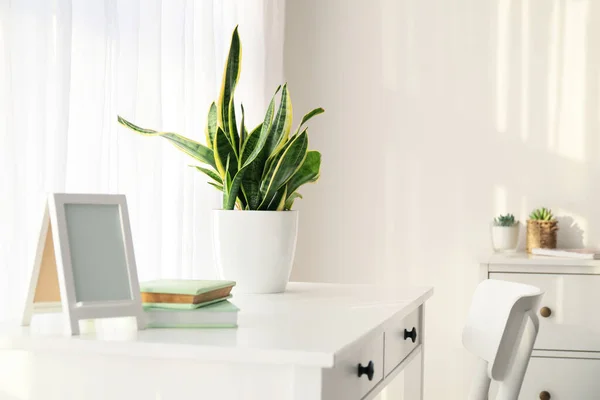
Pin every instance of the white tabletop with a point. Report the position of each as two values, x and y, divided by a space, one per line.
306 325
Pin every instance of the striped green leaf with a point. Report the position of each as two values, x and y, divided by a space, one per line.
252 149
234 191
227 186
273 201
212 174
223 150
241 196
217 186
234 139
231 74
211 125
281 204
308 116
252 171
308 172
291 160
273 157
188 146
243 130
252 158
251 186
271 163
280 129
289 202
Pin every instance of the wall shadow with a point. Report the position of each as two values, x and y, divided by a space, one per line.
570 234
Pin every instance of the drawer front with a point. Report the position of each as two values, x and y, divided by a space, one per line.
342 381
562 378
573 302
399 339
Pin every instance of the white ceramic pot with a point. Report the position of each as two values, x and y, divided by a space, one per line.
505 238
255 248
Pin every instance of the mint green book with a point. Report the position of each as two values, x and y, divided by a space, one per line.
184 306
223 314
184 293
191 287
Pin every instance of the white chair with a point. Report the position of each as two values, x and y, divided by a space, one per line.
501 329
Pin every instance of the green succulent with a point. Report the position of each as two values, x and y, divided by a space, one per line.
258 169
541 214
505 220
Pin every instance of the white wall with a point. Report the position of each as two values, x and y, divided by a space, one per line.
439 115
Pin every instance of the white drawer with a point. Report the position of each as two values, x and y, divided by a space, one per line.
399 334
574 322
342 381
562 378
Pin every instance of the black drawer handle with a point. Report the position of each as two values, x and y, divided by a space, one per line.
412 334
369 370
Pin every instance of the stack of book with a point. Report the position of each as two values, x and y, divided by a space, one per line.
179 303
583 254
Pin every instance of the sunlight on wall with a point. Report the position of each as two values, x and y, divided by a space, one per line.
15 370
502 64
394 390
523 216
572 111
525 41
54 41
500 200
597 111
554 64
524 210
390 43
3 89
383 395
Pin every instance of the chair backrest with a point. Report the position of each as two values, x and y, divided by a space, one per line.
499 315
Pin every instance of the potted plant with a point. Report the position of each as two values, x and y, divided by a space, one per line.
542 229
505 233
259 172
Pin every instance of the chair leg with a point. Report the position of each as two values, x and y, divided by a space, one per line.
480 386
510 387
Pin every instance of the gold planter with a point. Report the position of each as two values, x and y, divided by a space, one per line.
541 234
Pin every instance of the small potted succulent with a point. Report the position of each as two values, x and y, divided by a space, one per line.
542 229
505 233
259 172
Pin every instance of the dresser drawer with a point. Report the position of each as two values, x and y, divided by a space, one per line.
399 334
562 378
342 381
573 301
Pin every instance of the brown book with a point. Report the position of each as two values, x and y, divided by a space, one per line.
186 298
185 291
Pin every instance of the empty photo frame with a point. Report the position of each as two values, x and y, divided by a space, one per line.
85 264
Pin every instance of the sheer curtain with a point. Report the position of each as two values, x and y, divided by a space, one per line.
68 67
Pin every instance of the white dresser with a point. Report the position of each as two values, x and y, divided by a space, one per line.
565 364
313 342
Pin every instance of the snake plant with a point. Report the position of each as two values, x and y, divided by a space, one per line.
505 220
260 169
541 214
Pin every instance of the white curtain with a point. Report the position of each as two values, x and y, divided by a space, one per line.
68 67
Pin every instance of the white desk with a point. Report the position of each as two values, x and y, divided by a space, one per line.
304 344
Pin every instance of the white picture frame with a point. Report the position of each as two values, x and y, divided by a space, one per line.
55 226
